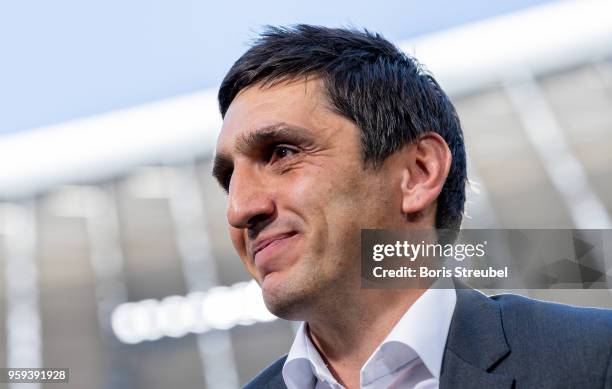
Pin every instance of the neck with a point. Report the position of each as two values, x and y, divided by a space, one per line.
349 331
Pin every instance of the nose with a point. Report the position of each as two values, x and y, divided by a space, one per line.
249 202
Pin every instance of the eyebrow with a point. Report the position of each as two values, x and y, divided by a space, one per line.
222 167
256 139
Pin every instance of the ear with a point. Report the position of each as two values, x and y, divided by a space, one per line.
426 166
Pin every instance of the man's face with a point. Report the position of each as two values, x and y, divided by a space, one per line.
298 194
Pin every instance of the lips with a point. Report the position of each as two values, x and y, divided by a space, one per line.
264 242
270 252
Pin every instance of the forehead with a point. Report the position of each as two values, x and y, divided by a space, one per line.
301 103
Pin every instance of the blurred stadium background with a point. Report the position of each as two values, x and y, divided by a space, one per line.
114 256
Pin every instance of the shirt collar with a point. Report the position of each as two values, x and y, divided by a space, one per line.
304 364
423 329
420 333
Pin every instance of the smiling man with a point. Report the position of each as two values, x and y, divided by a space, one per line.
330 131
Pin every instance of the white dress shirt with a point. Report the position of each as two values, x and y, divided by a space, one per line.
409 357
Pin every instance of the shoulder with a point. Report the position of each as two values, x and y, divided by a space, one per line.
522 314
271 377
562 333
538 343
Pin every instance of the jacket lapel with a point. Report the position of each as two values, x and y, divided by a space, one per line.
476 344
459 374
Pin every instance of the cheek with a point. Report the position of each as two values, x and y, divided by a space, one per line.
330 202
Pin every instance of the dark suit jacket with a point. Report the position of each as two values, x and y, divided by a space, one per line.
509 341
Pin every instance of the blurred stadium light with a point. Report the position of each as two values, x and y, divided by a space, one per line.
220 308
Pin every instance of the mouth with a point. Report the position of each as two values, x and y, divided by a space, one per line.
269 249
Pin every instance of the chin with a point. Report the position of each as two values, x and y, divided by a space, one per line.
285 299
283 309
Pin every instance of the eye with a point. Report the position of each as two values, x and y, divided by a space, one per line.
281 152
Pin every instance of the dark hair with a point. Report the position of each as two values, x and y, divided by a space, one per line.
368 80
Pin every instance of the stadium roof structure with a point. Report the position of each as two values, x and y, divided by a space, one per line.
464 59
